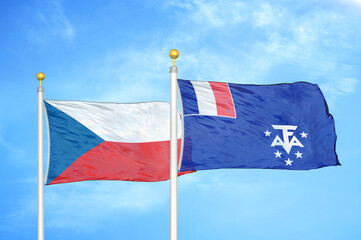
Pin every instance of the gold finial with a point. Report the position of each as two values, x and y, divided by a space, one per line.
40 76
173 54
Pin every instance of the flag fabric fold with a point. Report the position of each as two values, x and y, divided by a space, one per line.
108 141
281 126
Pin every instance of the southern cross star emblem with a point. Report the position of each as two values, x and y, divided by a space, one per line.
288 140
289 162
278 154
298 154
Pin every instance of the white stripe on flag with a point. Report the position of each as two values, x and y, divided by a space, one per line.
136 122
205 98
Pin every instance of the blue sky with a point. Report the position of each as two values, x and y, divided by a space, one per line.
118 51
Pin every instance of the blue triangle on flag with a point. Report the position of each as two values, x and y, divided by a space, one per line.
69 141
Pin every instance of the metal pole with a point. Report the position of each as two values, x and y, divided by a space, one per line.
173 148
40 90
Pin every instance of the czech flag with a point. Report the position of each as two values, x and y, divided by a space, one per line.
108 141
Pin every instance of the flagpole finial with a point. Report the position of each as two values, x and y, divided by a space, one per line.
40 76
173 54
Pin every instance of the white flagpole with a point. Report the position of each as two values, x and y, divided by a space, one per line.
173 148
40 76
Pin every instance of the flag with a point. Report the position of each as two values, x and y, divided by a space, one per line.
281 126
108 141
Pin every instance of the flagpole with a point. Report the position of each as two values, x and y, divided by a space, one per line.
40 76
173 148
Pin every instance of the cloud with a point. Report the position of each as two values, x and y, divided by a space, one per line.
356 3
133 75
210 13
52 21
311 45
338 87
348 85
85 204
267 16
13 151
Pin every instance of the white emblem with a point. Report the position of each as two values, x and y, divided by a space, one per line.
268 134
278 154
286 143
288 162
304 135
298 154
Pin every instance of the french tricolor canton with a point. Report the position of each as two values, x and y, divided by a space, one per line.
108 141
210 98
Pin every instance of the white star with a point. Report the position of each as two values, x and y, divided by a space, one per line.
298 154
288 162
304 135
278 154
268 134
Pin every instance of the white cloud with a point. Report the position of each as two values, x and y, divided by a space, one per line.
352 2
348 85
84 204
134 75
338 87
211 13
267 16
313 43
53 22
13 151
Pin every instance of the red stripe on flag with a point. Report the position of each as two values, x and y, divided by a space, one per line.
224 101
141 162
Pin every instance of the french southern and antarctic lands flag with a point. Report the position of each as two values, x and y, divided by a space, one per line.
282 126
108 141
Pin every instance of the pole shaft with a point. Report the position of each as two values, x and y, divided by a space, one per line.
173 155
40 91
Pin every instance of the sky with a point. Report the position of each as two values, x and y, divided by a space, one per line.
117 51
